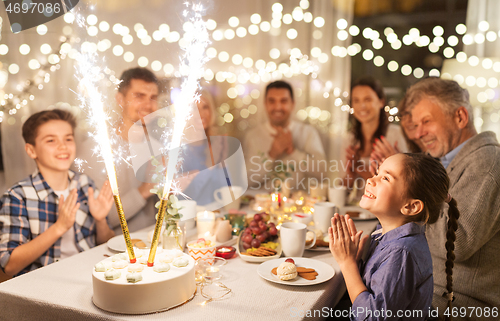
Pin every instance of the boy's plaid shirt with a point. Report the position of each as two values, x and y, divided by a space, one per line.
30 207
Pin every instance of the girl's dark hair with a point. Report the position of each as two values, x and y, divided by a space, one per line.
427 180
383 122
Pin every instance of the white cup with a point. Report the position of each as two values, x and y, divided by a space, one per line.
293 239
337 195
323 213
188 212
224 196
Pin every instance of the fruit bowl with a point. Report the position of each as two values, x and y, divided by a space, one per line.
257 259
259 232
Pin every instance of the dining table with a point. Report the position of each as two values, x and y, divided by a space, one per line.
63 291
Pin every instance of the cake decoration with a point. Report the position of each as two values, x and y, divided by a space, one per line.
100 267
177 253
120 264
161 267
167 259
180 262
112 274
120 256
135 267
134 277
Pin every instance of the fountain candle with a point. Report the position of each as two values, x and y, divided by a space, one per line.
99 118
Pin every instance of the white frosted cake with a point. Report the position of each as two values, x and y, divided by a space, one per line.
122 287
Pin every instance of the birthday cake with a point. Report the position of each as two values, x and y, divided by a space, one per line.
122 287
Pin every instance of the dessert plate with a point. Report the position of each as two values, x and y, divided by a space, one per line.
319 249
364 215
117 243
325 271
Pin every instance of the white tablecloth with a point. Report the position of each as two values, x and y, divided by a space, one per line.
63 291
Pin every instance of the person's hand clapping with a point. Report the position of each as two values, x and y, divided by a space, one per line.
382 149
66 212
99 207
282 143
351 158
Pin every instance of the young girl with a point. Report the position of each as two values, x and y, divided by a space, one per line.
395 281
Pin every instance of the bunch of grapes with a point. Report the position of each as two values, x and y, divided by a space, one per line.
258 232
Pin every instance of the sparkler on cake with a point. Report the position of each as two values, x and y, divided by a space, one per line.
193 61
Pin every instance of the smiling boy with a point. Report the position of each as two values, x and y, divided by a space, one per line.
52 214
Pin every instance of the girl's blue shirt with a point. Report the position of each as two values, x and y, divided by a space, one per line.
398 276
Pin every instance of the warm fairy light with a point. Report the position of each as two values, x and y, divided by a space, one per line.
4 49
41 29
13 69
354 30
434 73
473 61
438 31
461 29
491 36
418 73
483 26
479 38
467 39
104 26
24 49
406 70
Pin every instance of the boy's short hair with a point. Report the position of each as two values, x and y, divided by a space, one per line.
31 125
136 73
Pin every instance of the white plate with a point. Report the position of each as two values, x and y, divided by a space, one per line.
325 271
117 243
320 249
364 215
257 259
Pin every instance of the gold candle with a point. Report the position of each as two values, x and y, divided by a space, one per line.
123 223
156 235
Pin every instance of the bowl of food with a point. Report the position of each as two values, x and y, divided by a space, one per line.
259 242
202 249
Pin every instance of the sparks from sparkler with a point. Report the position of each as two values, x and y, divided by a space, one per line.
92 98
193 60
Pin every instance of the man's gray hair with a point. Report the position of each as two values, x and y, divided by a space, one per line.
447 94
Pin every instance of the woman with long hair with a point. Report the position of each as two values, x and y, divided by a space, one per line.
368 125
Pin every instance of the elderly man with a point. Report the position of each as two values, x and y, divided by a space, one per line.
137 96
443 115
283 145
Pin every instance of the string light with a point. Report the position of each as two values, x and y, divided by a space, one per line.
298 65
